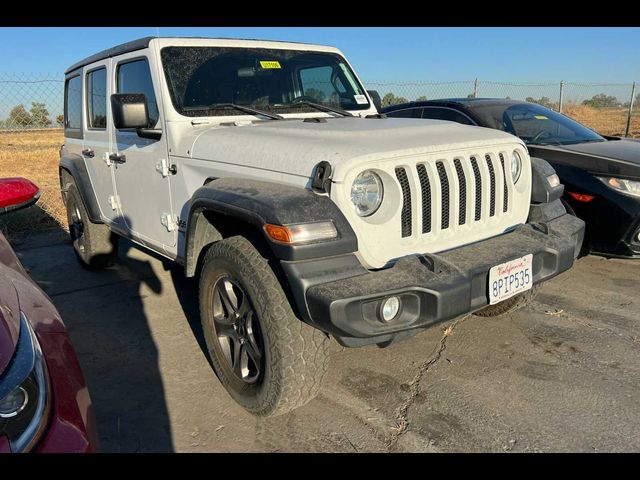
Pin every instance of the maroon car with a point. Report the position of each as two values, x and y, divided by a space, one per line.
44 402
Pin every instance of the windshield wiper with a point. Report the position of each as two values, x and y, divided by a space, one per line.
242 108
324 108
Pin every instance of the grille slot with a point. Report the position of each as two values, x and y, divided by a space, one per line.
444 184
462 210
492 180
405 217
505 202
425 186
478 179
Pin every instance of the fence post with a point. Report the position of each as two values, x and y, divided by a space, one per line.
561 96
475 88
633 96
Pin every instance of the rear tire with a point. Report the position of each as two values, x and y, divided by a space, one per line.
268 360
510 304
94 244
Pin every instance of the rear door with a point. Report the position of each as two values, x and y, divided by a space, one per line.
97 135
142 189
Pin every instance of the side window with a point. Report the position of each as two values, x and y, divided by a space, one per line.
73 104
135 77
445 114
316 83
405 113
97 98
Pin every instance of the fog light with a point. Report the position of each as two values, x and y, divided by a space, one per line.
390 308
13 403
638 236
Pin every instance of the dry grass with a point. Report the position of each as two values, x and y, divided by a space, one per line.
607 121
34 155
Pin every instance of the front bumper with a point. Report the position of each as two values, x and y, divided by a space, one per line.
342 298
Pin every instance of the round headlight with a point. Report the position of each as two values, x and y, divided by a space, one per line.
13 403
516 166
366 193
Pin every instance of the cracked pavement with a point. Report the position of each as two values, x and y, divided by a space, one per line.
561 375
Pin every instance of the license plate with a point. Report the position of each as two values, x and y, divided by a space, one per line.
510 278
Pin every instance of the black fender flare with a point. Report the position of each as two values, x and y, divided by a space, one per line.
74 165
257 203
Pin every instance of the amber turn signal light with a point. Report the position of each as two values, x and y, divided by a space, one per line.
301 233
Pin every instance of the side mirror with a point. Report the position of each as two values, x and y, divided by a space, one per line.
129 110
16 193
375 97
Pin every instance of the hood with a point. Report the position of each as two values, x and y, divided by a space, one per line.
9 319
612 157
294 146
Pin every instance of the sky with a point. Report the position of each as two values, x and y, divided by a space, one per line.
383 57
521 54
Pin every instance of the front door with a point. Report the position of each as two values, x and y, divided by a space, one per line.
97 136
142 190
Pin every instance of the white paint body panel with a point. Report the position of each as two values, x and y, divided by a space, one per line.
287 152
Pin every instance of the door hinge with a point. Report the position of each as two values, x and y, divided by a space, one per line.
169 221
163 167
114 202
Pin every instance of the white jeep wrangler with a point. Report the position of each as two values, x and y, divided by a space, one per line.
266 170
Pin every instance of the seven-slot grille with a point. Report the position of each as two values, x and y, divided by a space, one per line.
442 181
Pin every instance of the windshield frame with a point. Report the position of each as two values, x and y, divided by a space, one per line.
482 112
285 109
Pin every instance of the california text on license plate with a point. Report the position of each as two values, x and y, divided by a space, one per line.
510 278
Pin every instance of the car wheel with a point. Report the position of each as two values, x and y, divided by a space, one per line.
268 360
510 304
94 244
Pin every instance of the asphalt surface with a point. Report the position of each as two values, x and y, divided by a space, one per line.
560 375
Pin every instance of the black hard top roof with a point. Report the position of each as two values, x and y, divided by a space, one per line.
141 43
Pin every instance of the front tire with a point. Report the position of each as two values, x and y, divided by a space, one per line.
93 243
510 304
268 360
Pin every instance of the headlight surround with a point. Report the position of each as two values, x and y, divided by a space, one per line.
628 187
367 192
516 166
24 392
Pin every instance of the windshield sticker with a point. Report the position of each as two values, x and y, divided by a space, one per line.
360 99
540 117
270 64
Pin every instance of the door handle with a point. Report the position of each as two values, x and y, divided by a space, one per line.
115 158
87 152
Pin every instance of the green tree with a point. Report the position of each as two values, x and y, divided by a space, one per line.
391 99
60 120
421 99
602 100
39 115
19 117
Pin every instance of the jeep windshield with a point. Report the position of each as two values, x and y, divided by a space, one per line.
534 124
202 79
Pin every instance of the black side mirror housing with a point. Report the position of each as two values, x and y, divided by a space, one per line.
129 110
375 97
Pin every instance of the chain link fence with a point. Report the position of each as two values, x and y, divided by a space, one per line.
35 101
608 108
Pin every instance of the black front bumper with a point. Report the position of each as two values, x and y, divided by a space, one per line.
340 297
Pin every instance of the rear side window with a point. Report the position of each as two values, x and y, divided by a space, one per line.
445 114
73 104
97 98
135 77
